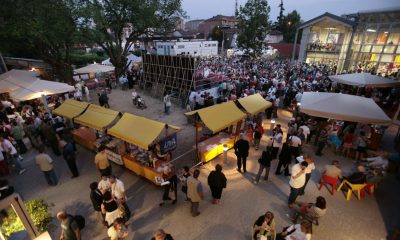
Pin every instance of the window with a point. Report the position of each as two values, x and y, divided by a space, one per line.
181 46
214 45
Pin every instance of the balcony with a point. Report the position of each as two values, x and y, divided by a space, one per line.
324 47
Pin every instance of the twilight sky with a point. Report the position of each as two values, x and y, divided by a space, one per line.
203 9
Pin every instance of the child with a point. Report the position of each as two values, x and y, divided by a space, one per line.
183 179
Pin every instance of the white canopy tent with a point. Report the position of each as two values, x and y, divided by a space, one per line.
24 85
131 60
343 107
364 80
94 68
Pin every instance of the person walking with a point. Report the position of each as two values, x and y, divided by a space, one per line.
258 133
170 176
118 230
50 136
118 192
297 181
167 103
265 163
183 178
101 161
97 199
322 140
69 227
309 169
69 156
217 182
12 154
195 193
17 134
277 137
46 166
241 151
285 158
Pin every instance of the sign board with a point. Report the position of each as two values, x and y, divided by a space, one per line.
168 144
112 156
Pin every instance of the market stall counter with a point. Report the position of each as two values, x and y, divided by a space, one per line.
212 147
149 145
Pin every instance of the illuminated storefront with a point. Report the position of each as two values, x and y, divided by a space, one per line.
366 41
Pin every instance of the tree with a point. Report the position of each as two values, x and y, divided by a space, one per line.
217 34
254 25
104 22
281 9
288 28
42 29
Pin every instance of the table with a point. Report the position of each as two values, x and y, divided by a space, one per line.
141 170
85 137
214 146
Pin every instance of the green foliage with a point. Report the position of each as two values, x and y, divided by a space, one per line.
38 210
291 22
218 35
104 22
82 60
42 29
254 25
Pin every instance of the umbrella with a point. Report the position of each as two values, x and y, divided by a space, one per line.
38 88
364 80
343 107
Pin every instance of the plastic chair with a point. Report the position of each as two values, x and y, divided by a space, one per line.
329 181
370 187
359 188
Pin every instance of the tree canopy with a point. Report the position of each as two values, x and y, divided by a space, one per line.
115 25
290 23
254 25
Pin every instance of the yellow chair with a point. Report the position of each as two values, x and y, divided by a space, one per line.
352 188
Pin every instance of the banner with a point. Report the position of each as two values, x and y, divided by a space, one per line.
168 144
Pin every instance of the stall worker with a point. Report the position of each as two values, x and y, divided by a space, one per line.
101 161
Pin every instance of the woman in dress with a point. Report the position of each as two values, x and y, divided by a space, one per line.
110 209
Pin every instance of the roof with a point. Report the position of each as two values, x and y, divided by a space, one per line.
275 32
364 79
328 15
220 116
343 107
254 104
71 108
97 117
221 17
94 68
142 131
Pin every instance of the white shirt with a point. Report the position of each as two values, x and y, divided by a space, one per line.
134 94
297 234
104 185
299 181
377 162
277 140
118 189
309 168
306 130
296 141
7 146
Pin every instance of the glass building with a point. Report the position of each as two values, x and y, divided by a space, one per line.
366 41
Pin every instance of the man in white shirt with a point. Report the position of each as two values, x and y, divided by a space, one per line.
46 166
311 167
294 144
297 181
12 153
118 192
306 131
104 184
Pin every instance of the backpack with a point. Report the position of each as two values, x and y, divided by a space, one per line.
80 221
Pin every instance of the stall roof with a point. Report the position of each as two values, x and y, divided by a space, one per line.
343 107
94 68
137 130
254 104
97 117
71 108
219 116
364 80
15 79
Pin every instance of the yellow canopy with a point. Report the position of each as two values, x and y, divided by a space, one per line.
137 130
219 116
254 104
97 117
71 108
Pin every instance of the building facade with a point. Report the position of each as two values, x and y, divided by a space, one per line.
193 48
208 25
362 42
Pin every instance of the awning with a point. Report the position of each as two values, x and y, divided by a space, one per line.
38 88
254 104
364 80
94 68
71 108
97 117
15 79
137 130
343 107
220 116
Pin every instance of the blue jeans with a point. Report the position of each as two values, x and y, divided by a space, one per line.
51 177
260 170
15 161
294 193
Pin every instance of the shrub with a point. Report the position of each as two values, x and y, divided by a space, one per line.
38 210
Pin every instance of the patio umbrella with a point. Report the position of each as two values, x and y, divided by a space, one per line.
364 80
343 107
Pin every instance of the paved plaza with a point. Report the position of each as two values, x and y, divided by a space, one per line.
241 204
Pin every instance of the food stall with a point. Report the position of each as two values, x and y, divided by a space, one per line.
148 144
254 104
70 108
91 132
226 119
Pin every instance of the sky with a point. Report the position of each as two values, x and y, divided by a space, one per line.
308 9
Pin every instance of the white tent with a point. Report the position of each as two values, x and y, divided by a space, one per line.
24 85
131 59
364 80
94 68
343 107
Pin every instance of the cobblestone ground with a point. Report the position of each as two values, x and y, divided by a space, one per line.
242 202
